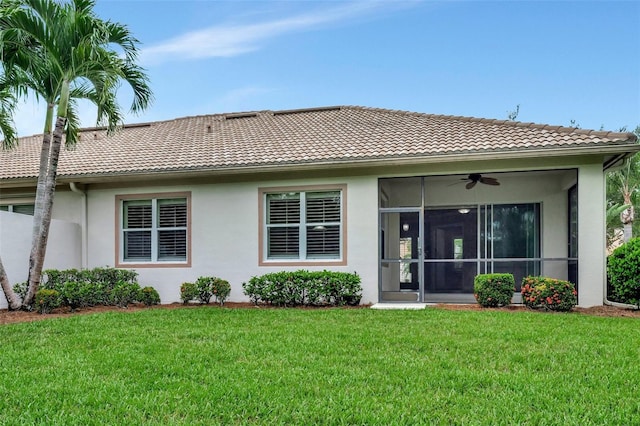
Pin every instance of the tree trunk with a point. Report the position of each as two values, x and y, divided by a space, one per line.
36 260
12 298
627 217
42 180
627 232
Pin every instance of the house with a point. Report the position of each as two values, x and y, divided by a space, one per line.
416 204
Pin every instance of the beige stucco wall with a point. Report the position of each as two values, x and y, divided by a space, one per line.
224 234
225 222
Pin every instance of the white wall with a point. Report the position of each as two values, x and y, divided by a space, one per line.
225 226
63 250
591 240
224 234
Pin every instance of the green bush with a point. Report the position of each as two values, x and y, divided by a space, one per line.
21 289
188 292
548 293
102 279
203 284
493 290
76 294
220 289
47 300
305 288
149 296
623 273
125 293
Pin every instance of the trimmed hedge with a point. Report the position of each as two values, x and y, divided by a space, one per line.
493 290
623 273
89 287
548 293
304 288
92 286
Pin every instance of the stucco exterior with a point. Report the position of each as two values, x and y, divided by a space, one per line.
63 250
224 162
224 231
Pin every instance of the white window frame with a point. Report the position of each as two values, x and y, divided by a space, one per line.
154 229
302 258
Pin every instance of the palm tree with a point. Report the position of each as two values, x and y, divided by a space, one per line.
623 189
61 52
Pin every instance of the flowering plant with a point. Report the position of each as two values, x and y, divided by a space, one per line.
188 292
548 293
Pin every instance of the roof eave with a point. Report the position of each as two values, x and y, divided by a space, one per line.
615 150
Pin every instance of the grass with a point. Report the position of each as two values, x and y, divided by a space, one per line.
331 366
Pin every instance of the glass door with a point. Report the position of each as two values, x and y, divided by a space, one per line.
400 255
451 251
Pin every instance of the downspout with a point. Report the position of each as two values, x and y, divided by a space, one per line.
83 224
611 165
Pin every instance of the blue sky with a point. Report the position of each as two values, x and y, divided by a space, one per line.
559 60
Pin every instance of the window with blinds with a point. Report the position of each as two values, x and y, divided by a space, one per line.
154 230
19 208
303 225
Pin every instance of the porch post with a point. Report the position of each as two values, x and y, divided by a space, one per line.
591 235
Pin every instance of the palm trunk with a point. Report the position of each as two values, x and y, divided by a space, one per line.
39 208
13 300
36 262
42 179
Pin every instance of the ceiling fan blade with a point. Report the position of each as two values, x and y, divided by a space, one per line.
489 181
470 184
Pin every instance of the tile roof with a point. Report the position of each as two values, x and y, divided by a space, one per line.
344 134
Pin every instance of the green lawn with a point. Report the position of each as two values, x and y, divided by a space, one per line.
329 366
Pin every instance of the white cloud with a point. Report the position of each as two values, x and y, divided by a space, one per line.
233 40
29 118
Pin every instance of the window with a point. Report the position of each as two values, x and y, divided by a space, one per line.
154 229
18 208
303 225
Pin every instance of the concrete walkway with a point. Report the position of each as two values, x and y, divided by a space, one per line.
414 306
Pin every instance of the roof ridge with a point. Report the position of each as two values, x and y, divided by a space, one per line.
526 124
267 113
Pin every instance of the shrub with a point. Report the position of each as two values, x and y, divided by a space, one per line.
493 290
548 293
305 288
75 294
21 289
149 296
102 279
623 273
188 292
220 289
46 300
203 284
125 293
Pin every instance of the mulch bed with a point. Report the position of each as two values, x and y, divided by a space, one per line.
9 317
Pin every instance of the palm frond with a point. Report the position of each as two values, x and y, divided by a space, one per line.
72 128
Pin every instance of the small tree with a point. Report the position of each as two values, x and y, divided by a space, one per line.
623 189
61 52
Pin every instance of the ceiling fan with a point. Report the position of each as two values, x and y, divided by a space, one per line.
474 178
